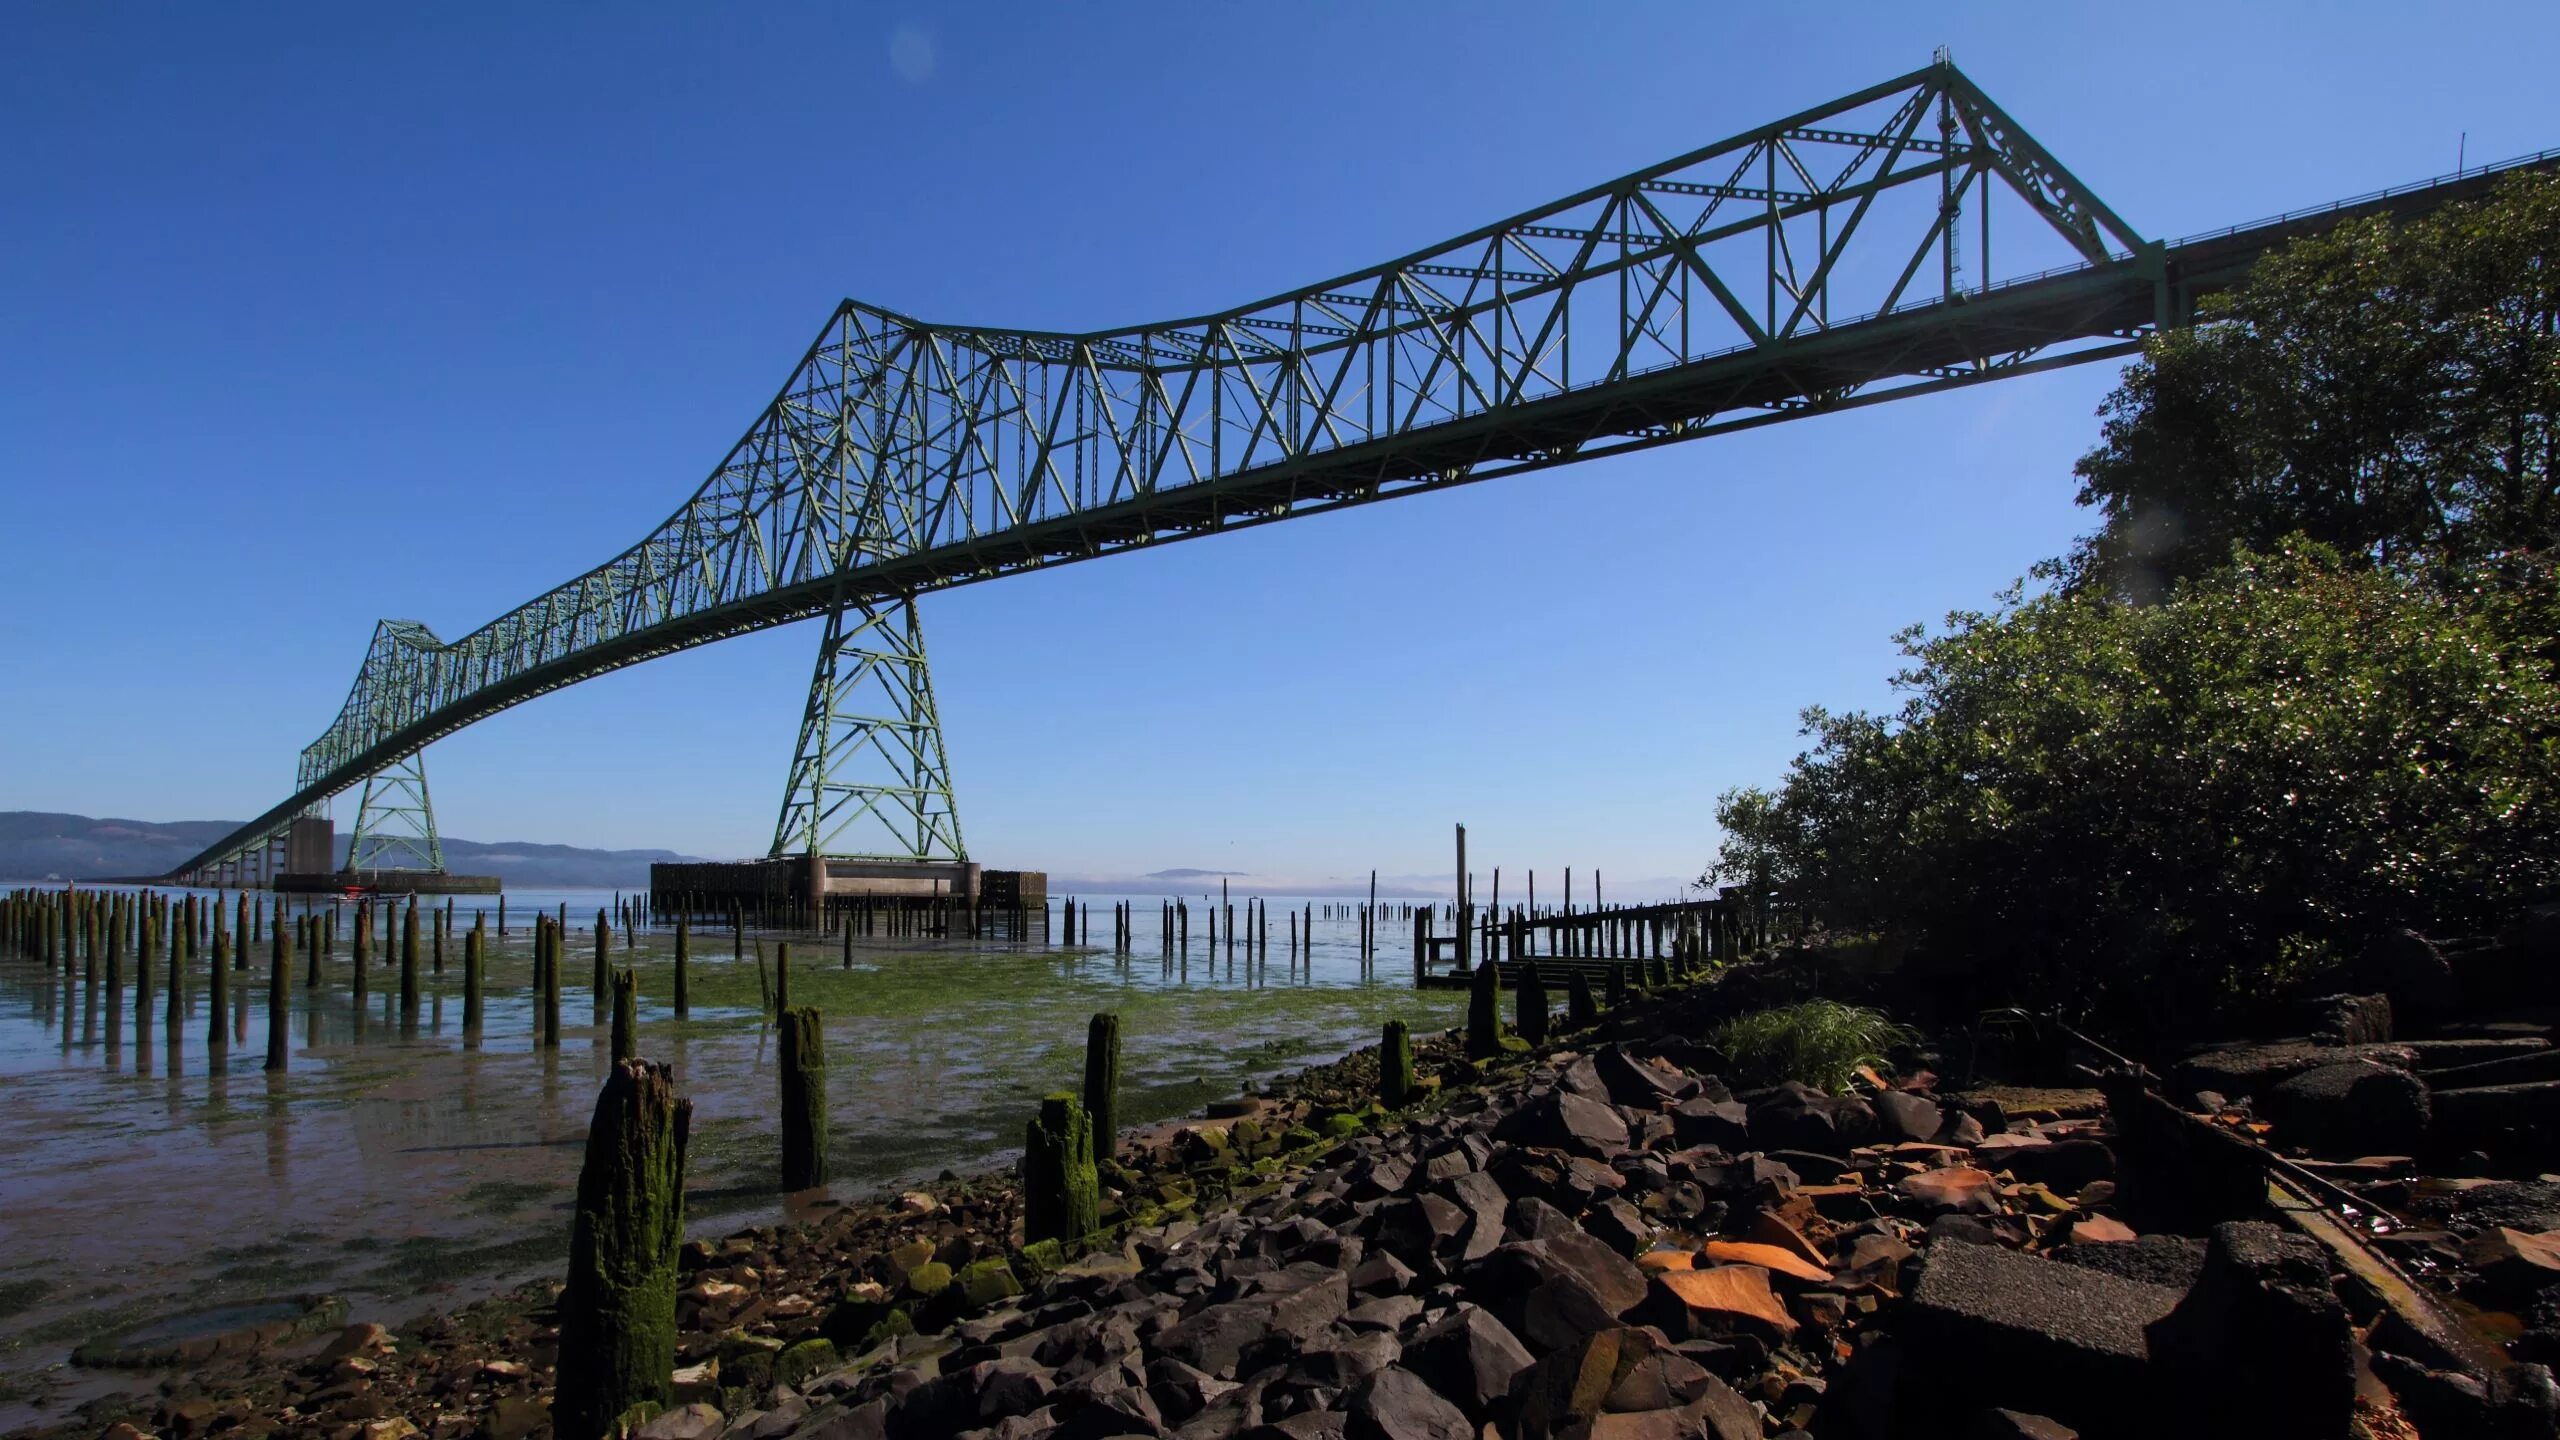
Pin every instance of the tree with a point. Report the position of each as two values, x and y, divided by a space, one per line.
2388 390
2148 814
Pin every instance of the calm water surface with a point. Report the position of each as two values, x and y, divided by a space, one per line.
404 1167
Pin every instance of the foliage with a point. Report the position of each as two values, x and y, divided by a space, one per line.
2388 390
1820 1043
2144 813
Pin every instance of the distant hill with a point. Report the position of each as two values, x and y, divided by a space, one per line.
38 845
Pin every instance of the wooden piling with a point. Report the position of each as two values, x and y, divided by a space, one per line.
409 960
603 970
1102 1082
618 1310
1395 1066
218 994
473 977
1061 1195
1484 1013
626 1016
684 947
1529 999
1579 1012
804 1098
279 968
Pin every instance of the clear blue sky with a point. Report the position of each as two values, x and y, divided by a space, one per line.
321 313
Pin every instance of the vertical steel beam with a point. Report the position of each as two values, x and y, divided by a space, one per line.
870 778
396 823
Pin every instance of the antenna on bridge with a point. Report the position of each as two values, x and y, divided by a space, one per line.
1942 56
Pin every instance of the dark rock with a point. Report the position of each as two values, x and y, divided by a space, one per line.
2253 1070
1623 1382
1725 1124
1954 1229
2171 1260
1342 1360
2520 1121
2409 968
1415 1229
2261 1345
1991 1327
1616 1224
1382 1275
1396 1404
1561 1120
1218 1339
1305 1425
1481 1197
2355 1108
1798 1117
2062 1167
1637 1083
1468 1356
1389 1313
1013 1385
1901 1115
1182 1391
2016 1425
2346 1019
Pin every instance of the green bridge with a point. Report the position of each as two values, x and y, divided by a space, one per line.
1838 257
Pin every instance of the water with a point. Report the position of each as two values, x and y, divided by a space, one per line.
396 1167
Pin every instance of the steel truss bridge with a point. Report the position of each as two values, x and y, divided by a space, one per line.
1839 257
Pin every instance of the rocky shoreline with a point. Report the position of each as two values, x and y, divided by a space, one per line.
1595 1237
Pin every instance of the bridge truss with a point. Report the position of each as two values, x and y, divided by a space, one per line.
1835 258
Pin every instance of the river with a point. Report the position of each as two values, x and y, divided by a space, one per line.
396 1166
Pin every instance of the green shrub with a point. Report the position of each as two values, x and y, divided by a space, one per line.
1820 1043
2151 816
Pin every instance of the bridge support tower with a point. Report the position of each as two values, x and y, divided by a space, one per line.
869 800
396 821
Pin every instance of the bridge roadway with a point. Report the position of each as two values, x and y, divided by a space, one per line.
851 544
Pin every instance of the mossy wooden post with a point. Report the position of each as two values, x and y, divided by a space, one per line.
218 992
604 961
363 941
409 961
472 979
1102 1082
177 1003
1616 993
310 941
1395 1066
781 977
441 922
1579 1012
804 1098
279 972
1061 1195
1661 973
626 1016
618 1311
549 934
1529 1004
1484 1012
684 948
240 928
845 923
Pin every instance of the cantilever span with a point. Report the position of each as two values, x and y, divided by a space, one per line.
1837 257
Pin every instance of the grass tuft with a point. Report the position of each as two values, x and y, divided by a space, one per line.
1820 1043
